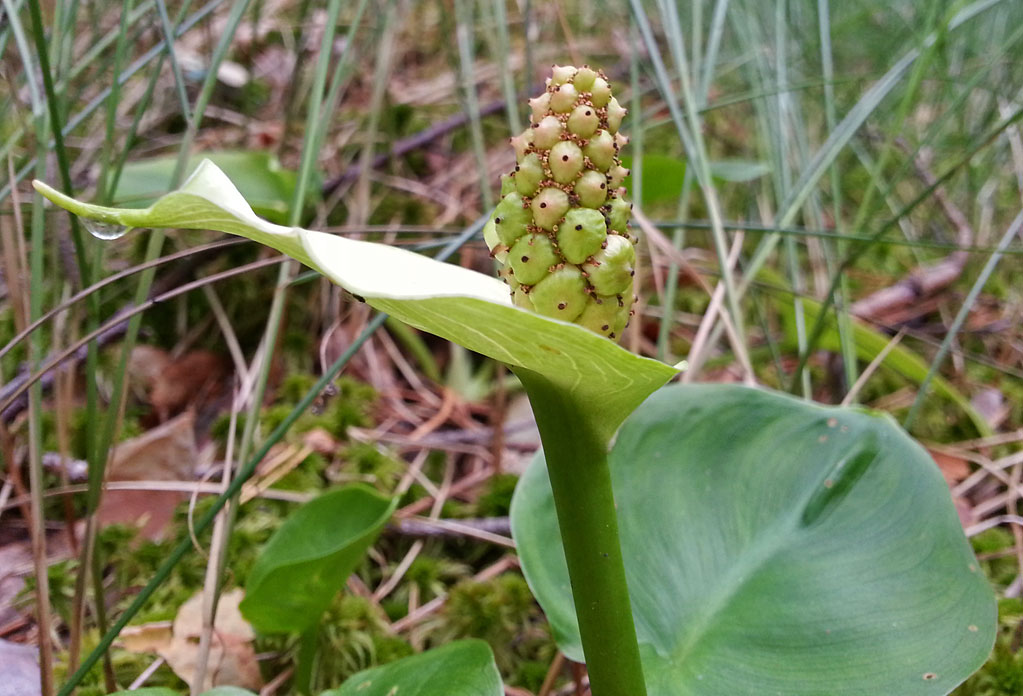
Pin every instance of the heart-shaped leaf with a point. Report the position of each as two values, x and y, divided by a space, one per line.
776 546
461 668
455 303
309 558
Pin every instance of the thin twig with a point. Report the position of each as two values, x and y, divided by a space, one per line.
872 367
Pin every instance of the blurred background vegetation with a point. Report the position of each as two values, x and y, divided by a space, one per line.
828 197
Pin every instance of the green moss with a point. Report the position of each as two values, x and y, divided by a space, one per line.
995 549
425 573
495 500
373 463
307 476
349 403
502 612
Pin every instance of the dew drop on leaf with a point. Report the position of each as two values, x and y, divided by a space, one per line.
105 230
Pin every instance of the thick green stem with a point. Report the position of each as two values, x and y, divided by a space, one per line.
576 457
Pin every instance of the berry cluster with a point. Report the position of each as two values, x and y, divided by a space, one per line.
561 230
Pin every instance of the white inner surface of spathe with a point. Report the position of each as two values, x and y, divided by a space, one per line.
378 270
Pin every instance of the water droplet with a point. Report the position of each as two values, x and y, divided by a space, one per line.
105 230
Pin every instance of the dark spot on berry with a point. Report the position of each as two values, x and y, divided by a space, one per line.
603 186
525 259
497 221
632 273
562 305
611 335
578 227
588 112
543 205
564 158
605 327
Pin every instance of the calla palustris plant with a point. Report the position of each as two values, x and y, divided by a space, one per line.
561 234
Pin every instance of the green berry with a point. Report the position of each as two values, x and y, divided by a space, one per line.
600 92
583 121
621 209
547 132
549 206
521 299
563 100
539 106
507 184
615 113
591 189
581 234
529 174
511 218
521 143
560 74
611 269
561 295
584 78
565 161
601 150
532 257
601 315
617 176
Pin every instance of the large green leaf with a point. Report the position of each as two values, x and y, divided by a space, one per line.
265 184
309 558
775 546
461 668
455 303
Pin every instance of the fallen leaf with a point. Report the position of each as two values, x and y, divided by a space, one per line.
150 637
232 659
953 467
165 453
190 380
